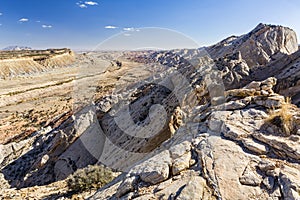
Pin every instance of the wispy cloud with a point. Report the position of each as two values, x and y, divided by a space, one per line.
46 26
131 29
110 27
81 4
23 20
128 29
91 3
38 21
127 34
0 24
1 13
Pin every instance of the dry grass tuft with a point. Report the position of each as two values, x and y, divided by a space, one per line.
284 118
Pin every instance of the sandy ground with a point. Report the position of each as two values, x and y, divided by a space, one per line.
31 102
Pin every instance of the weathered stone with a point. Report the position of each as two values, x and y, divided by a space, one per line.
253 85
269 182
176 120
234 132
215 121
257 47
283 146
265 166
193 190
180 149
234 105
289 182
128 185
270 102
154 170
181 163
254 146
250 177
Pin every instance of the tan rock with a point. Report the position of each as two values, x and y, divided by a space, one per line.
181 163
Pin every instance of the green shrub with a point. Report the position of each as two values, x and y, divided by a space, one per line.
93 176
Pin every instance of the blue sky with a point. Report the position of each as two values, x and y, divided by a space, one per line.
84 24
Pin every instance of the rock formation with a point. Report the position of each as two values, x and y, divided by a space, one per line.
263 44
22 62
228 154
183 133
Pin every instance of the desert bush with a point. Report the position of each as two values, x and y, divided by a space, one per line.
93 176
283 118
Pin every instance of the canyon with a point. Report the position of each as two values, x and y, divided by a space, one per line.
218 122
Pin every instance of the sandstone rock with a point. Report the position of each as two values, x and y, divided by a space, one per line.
179 150
216 120
254 146
235 105
269 182
128 185
235 133
241 92
265 166
16 63
280 145
253 85
250 177
155 169
270 101
176 120
181 163
193 190
289 183
223 133
258 46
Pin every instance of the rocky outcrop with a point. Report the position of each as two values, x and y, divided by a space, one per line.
260 46
225 155
182 133
22 62
266 51
233 69
287 71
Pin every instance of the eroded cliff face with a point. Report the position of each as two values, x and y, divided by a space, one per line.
26 62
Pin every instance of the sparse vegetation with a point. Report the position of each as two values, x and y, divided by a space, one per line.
93 176
283 118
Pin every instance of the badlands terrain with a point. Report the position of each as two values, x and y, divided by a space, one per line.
219 122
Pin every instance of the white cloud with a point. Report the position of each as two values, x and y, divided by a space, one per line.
1 14
127 34
91 3
82 6
85 4
110 27
128 29
0 24
23 20
38 21
131 29
46 26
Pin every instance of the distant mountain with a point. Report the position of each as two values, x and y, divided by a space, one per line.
16 48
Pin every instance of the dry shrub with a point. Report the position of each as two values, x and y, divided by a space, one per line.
93 176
